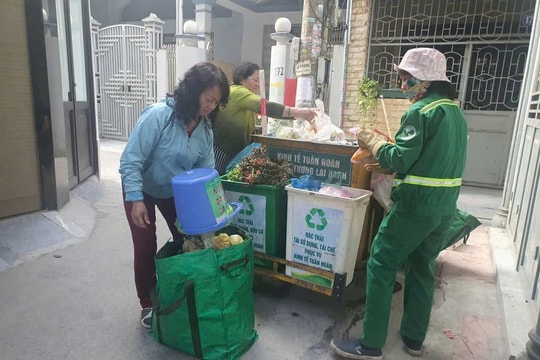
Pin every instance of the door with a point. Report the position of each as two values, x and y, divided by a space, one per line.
20 190
488 147
530 254
76 88
490 95
525 215
123 89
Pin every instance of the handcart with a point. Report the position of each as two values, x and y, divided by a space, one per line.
322 160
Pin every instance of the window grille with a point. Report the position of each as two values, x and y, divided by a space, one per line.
485 42
336 36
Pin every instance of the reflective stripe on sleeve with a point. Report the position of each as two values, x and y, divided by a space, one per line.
426 181
437 103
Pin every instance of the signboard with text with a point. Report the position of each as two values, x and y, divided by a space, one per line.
252 217
330 168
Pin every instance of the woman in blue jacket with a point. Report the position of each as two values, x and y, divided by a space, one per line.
170 137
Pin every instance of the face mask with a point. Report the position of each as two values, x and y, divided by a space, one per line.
415 89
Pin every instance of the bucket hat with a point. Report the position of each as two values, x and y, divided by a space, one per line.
425 64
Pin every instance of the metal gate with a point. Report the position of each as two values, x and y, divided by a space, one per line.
125 61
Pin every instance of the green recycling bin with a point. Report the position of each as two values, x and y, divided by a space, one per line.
263 216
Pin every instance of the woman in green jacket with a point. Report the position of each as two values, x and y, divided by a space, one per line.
428 159
235 123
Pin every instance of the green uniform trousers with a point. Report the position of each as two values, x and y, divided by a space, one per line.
410 242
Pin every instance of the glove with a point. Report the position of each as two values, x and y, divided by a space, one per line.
367 140
376 168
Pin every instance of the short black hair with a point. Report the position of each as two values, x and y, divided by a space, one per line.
198 79
243 71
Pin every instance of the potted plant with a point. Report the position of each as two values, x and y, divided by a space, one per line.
367 92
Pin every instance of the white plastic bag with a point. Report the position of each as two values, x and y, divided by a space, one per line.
381 185
334 191
322 128
287 132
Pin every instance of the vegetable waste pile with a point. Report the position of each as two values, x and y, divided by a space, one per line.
258 169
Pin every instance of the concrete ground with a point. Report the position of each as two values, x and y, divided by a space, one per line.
67 291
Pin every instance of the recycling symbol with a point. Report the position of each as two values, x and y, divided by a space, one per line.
316 219
247 208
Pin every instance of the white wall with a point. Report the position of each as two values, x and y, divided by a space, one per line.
228 38
107 12
170 26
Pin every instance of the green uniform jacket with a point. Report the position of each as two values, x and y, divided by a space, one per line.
236 121
428 157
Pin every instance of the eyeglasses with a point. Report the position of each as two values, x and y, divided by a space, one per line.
211 100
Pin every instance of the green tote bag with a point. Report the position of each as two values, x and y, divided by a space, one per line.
203 303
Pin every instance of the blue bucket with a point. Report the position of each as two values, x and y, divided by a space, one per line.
200 202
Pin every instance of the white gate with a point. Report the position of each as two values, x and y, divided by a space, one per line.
126 69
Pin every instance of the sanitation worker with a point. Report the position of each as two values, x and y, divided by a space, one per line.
428 158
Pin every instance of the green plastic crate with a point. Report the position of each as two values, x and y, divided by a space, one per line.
263 216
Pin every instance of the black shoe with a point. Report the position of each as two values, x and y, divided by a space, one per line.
146 318
352 349
414 347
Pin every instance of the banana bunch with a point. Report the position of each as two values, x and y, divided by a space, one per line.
223 240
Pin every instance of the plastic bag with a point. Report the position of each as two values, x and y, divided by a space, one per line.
306 182
381 185
322 128
287 132
335 191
